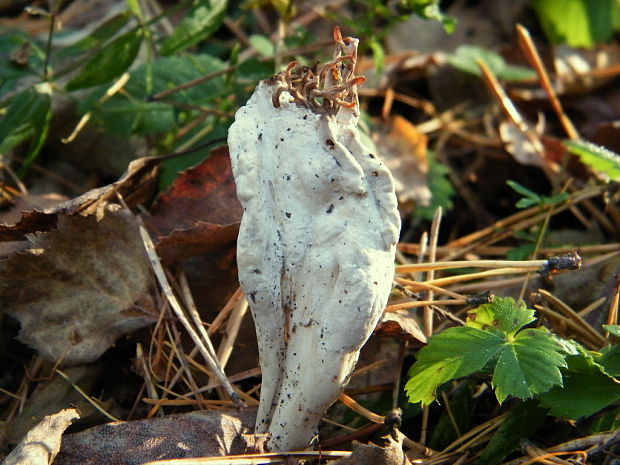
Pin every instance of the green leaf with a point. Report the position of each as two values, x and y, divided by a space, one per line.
610 360
454 353
262 44
135 8
524 191
27 117
25 114
608 421
203 20
97 38
528 365
596 157
587 389
522 422
578 23
523 252
503 313
131 113
111 61
20 55
254 69
171 168
465 56
613 329
440 187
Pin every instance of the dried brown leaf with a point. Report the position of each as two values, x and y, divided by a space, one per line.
371 454
402 323
79 287
200 212
196 434
403 149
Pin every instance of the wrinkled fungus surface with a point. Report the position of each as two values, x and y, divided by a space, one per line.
317 239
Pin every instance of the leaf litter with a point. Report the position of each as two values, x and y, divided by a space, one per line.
200 244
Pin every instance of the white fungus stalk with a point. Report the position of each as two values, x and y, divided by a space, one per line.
317 239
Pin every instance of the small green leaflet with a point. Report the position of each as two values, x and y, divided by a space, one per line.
531 198
525 362
504 313
598 158
203 20
465 56
613 329
111 61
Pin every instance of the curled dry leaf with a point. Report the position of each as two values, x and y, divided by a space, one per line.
317 239
79 287
41 444
136 186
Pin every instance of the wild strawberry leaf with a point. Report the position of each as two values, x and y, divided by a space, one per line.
454 353
525 362
528 365
504 314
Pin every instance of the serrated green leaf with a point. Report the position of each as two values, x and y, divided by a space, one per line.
111 61
203 20
586 390
522 422
613 329
465 56
503 313
528 365
598 158
454 353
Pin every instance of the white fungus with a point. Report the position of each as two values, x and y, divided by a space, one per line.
317 240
